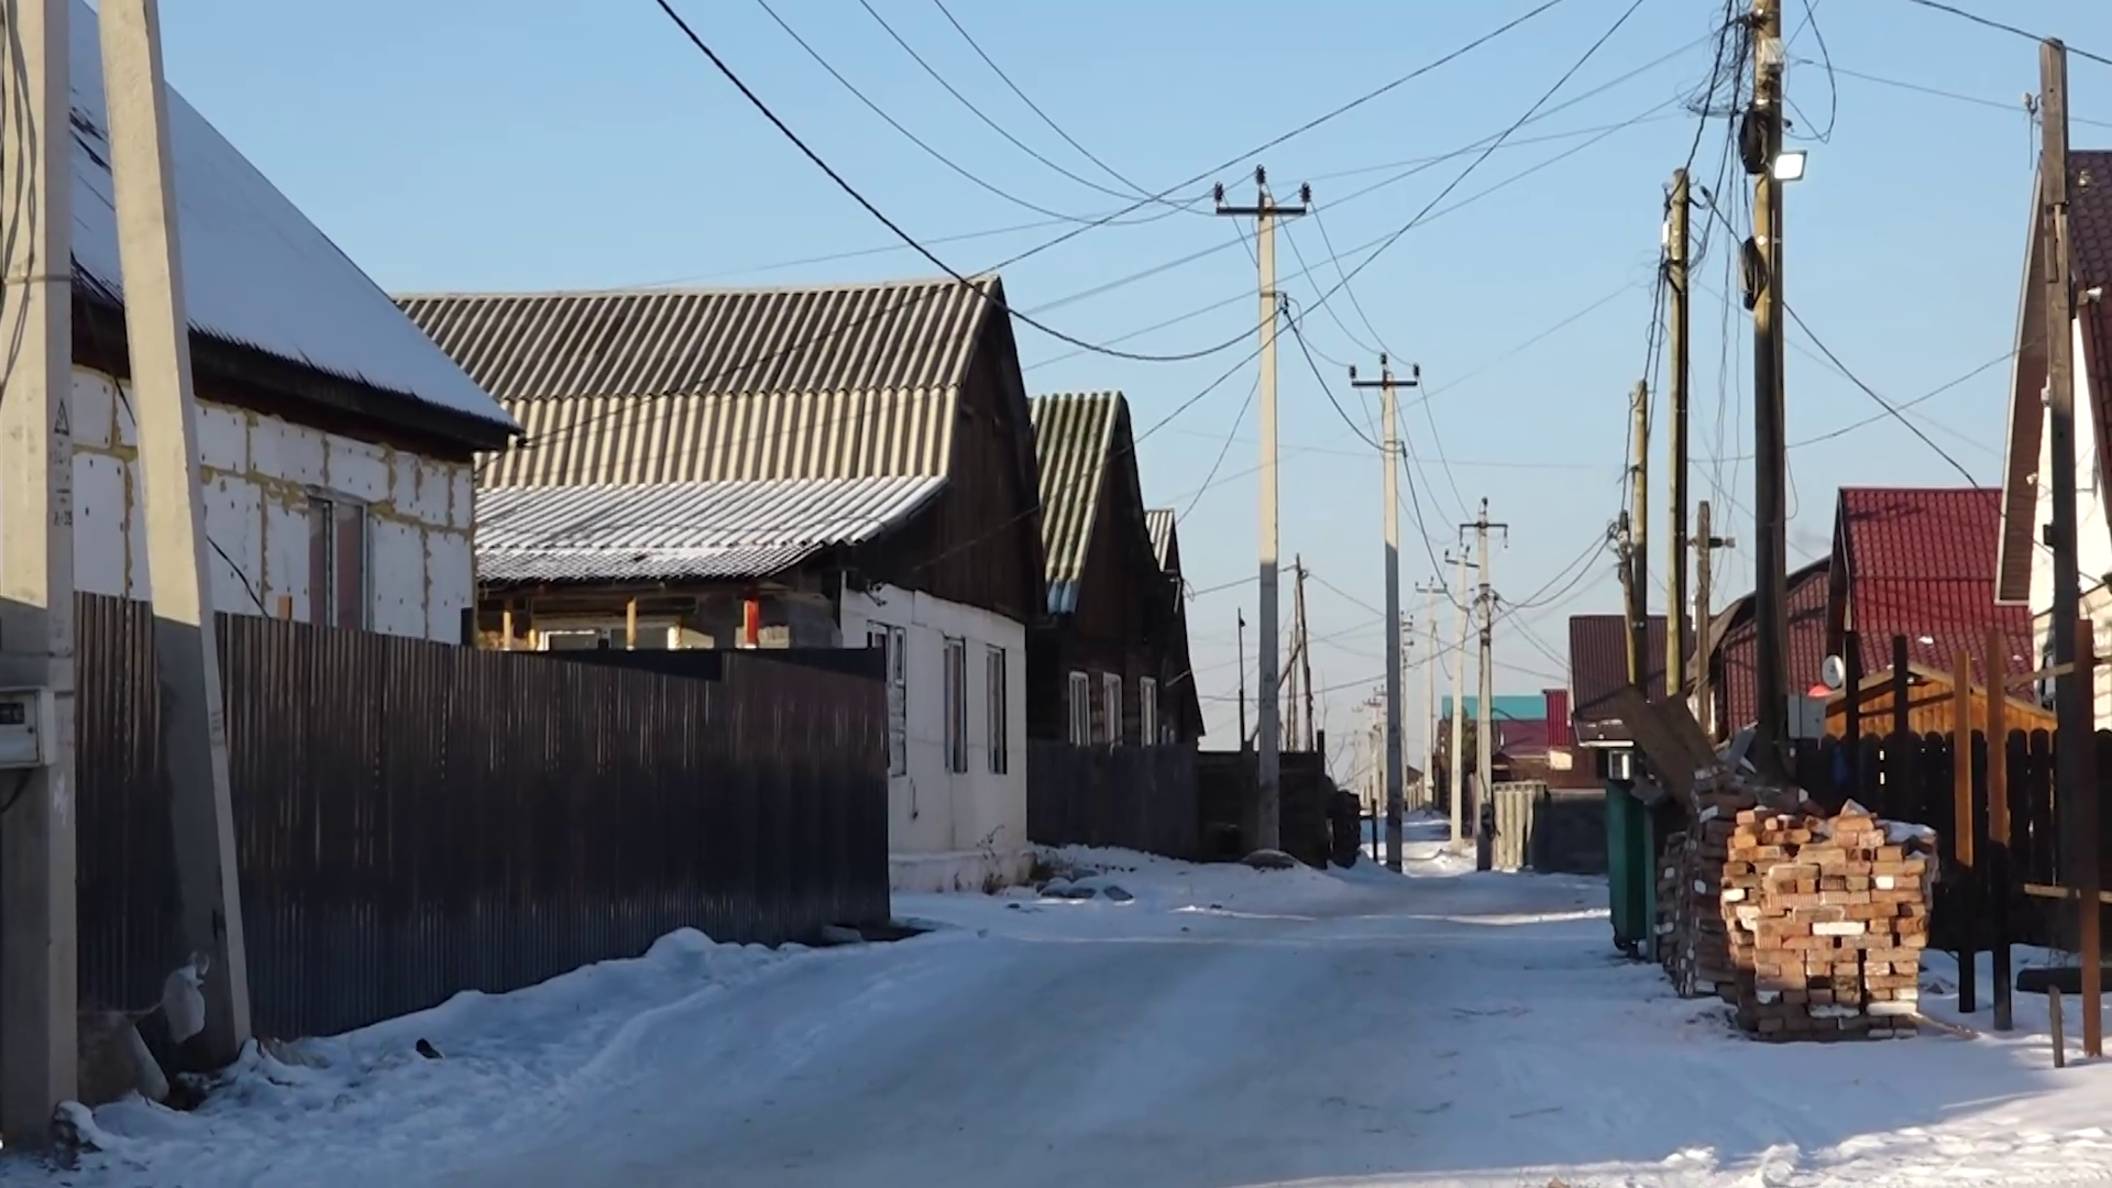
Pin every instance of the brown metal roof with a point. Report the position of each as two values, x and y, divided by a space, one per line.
1598 662
1735 644
685 385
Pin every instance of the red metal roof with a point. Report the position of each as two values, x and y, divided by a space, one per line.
1807 645
1920 562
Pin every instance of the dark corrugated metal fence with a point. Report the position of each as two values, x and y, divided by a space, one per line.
1140 798
414 819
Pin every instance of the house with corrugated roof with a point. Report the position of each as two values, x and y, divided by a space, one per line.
828 466
2024 559
335 441
1185 704
1109 663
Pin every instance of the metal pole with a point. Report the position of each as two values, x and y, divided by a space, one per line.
193 726
1242 645
1771 635
1305 659
1430 667
1704 644
1639 541
1391 462
1268 781
1676 634
38 945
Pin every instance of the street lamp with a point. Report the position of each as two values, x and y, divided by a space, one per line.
1789 165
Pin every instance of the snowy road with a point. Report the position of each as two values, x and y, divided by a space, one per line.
1227 1028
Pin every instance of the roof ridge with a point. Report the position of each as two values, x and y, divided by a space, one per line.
680 290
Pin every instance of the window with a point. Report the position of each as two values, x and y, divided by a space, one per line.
995 691
956 704
1081 707
337 563
1111 700
1148 711
893 642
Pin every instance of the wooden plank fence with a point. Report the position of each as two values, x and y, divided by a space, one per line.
415 819
1140 798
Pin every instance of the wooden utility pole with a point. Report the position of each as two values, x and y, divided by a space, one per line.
1770 521
38 947
1391 464
1705 546
2075 795
1676 637
193 725
1485 600
1639 539
1998 873
1268 780
1459 704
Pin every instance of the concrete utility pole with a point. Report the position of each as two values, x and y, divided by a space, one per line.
2076 787
1391 494
1639 540
38 948
1770 521
1676 499
1705 545
1484 736
1459 704
193 725
1430 592
1268 765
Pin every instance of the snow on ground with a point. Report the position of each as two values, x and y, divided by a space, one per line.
1226 1027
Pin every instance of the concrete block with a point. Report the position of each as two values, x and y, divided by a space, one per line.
286 560
234 521
461 507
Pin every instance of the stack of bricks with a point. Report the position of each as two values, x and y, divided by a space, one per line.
1826 921
1695 937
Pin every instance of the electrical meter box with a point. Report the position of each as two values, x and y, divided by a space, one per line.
26 727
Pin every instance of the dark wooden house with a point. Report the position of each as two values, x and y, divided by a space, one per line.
1110 662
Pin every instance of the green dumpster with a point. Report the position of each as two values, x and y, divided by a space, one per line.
1631 881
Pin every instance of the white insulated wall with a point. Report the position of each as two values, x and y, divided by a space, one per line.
932 810
258 473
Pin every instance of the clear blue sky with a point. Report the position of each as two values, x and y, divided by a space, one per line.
535 145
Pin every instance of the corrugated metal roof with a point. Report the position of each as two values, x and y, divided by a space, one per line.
256 272
1598 662
1076 437
671 531
1807 614
682 385
1159 521
1920 562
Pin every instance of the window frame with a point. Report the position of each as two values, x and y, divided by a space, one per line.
328 514
997 693
893 643
1148 711
1079 695
956 704
1111 702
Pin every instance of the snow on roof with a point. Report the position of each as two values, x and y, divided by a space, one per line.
256 272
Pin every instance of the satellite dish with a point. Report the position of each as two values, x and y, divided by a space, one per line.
1834 672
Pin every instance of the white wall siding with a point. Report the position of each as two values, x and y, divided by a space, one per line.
952 830
257 474
2093 533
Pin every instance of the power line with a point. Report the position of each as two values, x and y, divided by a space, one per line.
1328 390
1222 450
1977 19
1883 403
1032 106
841 183
1940 93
